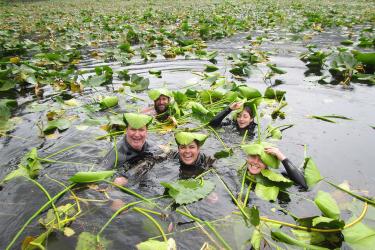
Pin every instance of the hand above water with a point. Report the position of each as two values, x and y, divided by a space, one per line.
235 105
275 152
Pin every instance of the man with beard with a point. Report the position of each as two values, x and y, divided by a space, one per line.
161 110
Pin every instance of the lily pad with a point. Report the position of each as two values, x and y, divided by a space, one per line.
155 244
108 102
359 236
87 241
185 138
312 174
60 124
137 121
188 191
327 205
156 93
248 92
268 193
258 149
272 176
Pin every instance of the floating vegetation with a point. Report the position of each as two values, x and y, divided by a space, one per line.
69 70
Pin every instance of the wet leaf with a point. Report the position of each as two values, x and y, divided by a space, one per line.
68 232
154 244
60 124
359 236
271 93
156 93
155 72
5 108
347 42
87 177
87 241
258 149
275 69
188 191
283 237
312 174
138 83
274 132
211 68
275 177
256 239
266 193
324 222
248 92
327 205
366 58
185 138
36 243
223 153
137 121
322 118
108 102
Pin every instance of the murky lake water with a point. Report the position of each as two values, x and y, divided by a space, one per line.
342 151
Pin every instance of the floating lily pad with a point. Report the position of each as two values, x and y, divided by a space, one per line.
87 177
327 205
312 174
160 245
188 191
60 124
137 121
185 138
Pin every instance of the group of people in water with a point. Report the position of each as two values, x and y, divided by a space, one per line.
134 147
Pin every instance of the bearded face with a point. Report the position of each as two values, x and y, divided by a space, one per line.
161 104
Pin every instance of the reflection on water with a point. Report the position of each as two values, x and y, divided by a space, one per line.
342 151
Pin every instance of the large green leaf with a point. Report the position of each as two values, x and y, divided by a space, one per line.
137 121
266 193
188 191
274 132
60 124
312 174
155 93
256 239
159 245
359 236
87 241
185 138
324 222
28 167
272 176
275 69
271 93
258 149
198 108
5 108
366 58
327 205
249 92
87 177
108 102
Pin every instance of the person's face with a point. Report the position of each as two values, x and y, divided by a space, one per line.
161 104
136 137
255 164
244 119
188 153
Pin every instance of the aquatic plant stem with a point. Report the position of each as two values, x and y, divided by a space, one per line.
244 137
247 193
258 124
359 197
225 244
114 216
139 210
218 137
129 191
49 199
36 214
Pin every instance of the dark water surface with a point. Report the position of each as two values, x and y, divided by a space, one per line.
342 151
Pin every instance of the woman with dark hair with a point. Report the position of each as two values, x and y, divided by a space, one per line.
243 121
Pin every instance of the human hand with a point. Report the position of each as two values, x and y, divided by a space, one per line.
121 181
235 105
275 152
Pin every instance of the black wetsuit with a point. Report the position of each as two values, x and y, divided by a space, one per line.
294 173
202 164
217 121
126 156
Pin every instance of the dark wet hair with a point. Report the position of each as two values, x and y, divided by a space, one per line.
195 140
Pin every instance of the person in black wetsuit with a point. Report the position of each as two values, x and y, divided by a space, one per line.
244 120
132 148
260 156
192 161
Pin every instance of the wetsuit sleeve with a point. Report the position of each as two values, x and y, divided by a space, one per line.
294 173
216 121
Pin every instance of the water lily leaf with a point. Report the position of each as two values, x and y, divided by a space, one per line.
312 174
253 213
185 138
138 83
137 121
60 124
211 68
283 237
156 93
275 69
258 149
29 166
272 176
324 222
248 92
7 85
179 97
155 72
366 58
327 205
188 191
267 193
5 107
359 236
154 244
86 177
68 231
87 241
223 153
337 117
347 42
210 96
271 93
108 102
274 132
36 243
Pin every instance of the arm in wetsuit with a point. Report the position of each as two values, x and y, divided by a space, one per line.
294 173
217 120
